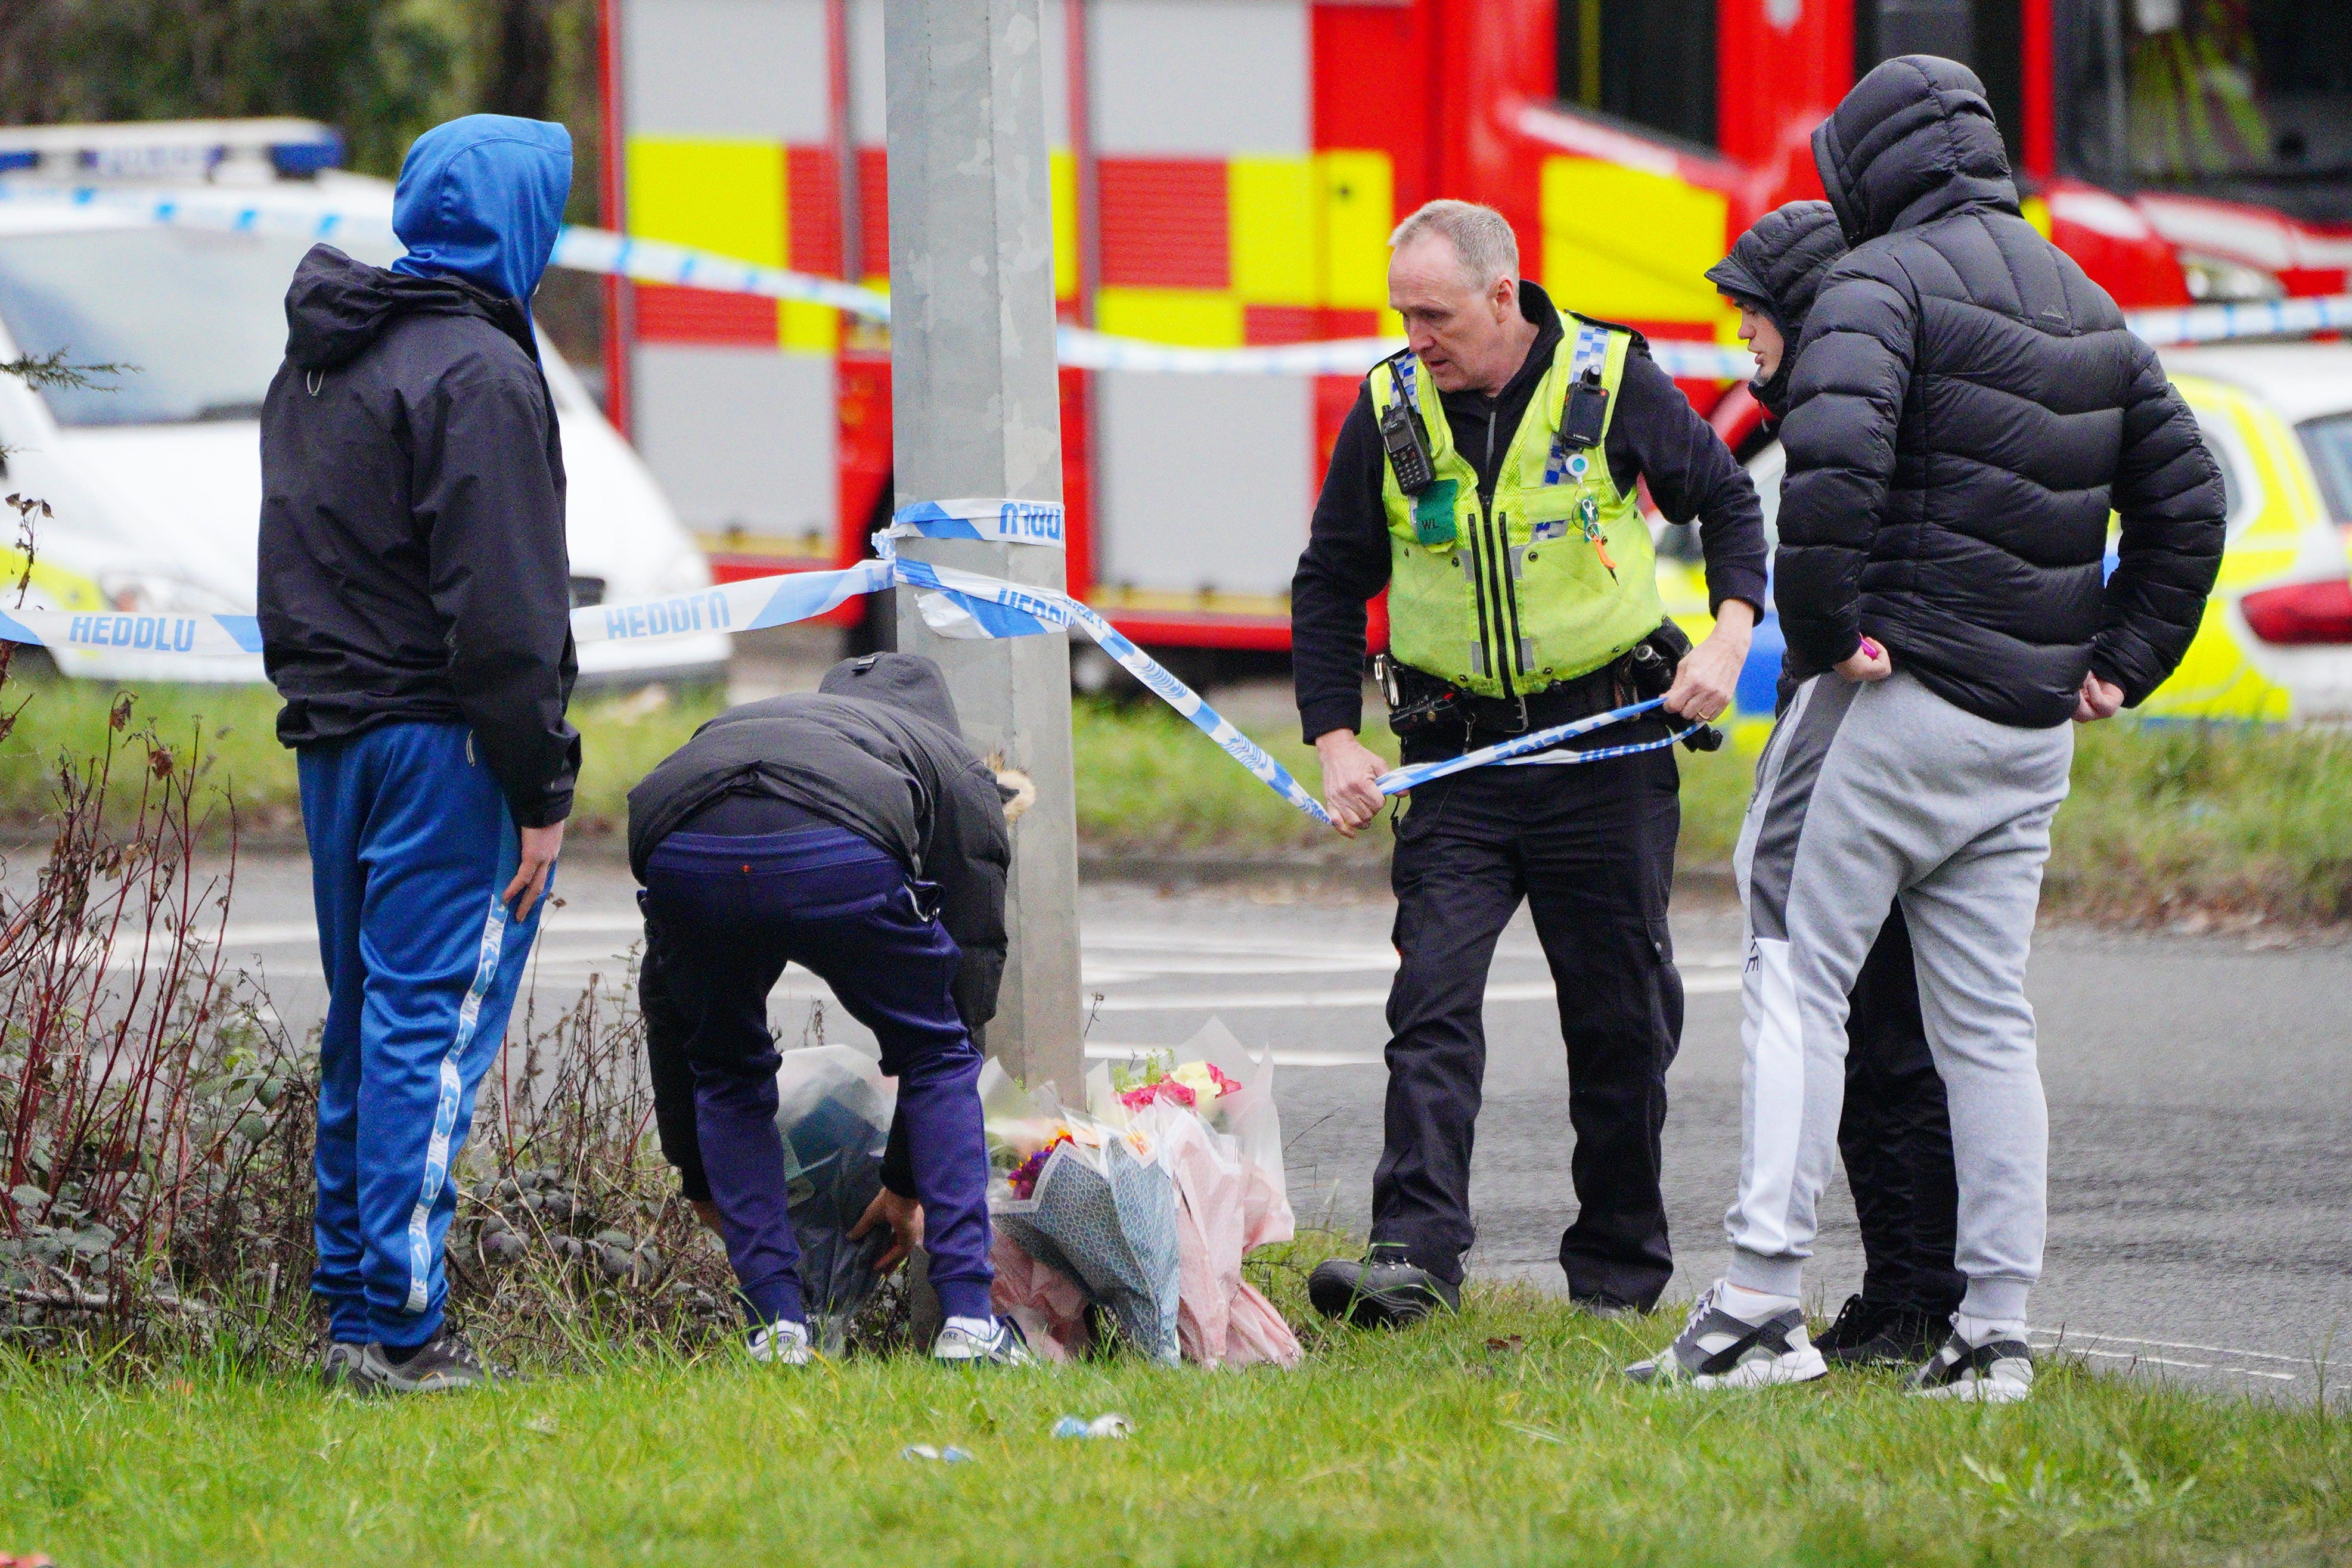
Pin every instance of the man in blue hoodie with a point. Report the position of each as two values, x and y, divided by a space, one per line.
414 613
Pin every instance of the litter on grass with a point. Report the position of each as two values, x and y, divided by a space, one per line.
943 1456
1111 1425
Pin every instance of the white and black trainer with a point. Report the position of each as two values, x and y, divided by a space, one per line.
1999 1371
1718 1350
964 1342
780 1344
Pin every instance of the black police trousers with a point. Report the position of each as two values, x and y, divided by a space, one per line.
1591 847
1896 1134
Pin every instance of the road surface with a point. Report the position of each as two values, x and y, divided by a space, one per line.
2198 1085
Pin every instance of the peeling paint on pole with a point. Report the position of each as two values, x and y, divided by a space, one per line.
976 407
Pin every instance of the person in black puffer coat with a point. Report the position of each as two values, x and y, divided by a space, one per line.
1970 409
1895 1131
1965 408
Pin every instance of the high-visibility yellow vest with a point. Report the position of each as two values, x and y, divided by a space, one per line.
1519 595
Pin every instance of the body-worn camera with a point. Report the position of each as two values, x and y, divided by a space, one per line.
1587 414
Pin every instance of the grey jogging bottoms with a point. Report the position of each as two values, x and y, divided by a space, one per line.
1867 794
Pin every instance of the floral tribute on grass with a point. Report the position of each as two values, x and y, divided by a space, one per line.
1137 1213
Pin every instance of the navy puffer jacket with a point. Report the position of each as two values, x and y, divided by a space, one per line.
1967 408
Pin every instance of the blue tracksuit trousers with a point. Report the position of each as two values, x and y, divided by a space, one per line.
411 844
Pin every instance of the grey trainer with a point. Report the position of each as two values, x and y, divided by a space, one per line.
339 1365
442 1364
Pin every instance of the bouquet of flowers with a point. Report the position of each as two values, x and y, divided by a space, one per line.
1090 1202
1208 1108
834 1110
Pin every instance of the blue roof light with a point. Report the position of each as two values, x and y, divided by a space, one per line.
301 160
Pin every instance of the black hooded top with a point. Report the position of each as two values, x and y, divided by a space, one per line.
411 556
1776 267
877 750
1965 408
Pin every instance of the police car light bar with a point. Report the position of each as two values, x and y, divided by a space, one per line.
230 152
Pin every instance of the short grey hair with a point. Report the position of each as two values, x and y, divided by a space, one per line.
1481 237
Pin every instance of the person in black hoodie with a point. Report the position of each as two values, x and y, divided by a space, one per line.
851 831
414 610
1966 410
1895 1131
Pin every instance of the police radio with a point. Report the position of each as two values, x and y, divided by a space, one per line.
1407 443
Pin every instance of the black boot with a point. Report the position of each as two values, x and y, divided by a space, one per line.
1385 1291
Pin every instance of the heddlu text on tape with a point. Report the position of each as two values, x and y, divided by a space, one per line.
998 521
750 605
187 636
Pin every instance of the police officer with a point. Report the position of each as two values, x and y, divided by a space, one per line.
1487 479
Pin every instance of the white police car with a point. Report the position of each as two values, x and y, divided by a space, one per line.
152 477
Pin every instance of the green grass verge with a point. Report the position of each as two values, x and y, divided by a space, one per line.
2164 818
1503 1436
620 742
2237 820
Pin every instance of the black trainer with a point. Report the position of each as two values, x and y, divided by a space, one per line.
441 1363
1882 1333
1381 1292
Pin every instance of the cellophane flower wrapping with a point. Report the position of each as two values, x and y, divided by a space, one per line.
834 1110
1090 1202
1211 1115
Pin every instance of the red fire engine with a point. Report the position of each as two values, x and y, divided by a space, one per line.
1226 172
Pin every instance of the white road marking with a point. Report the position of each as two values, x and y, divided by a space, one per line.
1099 1052
1252 1001
2187 1344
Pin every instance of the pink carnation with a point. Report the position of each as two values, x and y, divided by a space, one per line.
1166 1088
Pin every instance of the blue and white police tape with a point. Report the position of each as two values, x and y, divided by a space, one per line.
998 521
984 607
656 261
953 603
299 211
190 636
1521 750
747 606
728 607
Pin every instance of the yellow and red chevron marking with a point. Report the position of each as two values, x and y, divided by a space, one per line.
1214 253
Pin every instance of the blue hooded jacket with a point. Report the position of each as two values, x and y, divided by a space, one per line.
482 197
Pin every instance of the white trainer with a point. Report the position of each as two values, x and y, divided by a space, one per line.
1717 1350
1000 1346
1999 1372
781 1343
